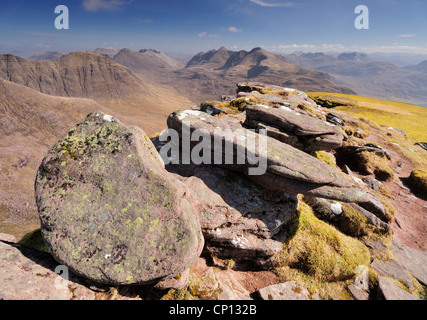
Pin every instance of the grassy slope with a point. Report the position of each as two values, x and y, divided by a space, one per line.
410 118
382 114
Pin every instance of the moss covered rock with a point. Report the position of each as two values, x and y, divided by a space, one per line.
319 250
110 211
418 179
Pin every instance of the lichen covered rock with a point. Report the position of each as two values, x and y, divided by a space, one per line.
110 211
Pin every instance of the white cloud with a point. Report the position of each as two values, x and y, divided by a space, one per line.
234 29
144 20
204 34
266 4
408 35
109 5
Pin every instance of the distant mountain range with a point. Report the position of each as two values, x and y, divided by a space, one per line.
369 77
209 75
147 85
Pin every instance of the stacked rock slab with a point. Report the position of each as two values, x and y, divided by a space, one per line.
109 210
288 168
313 132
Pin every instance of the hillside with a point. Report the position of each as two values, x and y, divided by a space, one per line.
421 67
369 77
30 123
97 77
78 74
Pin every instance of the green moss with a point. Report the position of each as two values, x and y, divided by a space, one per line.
418 178
34 240
370 162
320 250
325 157
353 223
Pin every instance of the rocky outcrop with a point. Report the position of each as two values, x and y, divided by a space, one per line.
108 209
111 213
289 169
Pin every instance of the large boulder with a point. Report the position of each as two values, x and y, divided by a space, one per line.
110 211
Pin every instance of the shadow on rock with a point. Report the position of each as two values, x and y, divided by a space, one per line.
240 219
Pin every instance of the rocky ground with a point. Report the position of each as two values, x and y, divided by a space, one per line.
334 216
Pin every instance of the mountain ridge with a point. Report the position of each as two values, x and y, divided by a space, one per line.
229 67
368 76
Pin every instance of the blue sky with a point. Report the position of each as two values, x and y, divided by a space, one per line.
190 26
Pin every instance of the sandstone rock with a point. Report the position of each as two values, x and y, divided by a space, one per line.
284 291
357 293
389 291
414 261
368 147
422 145
316 134
372 219
239 218
372 183
327 209
393 269
178 282
110 211
7 237
216 284
28 274
376 244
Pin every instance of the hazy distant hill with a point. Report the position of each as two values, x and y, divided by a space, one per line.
421 67
111 52
50 55
146 61
369 77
